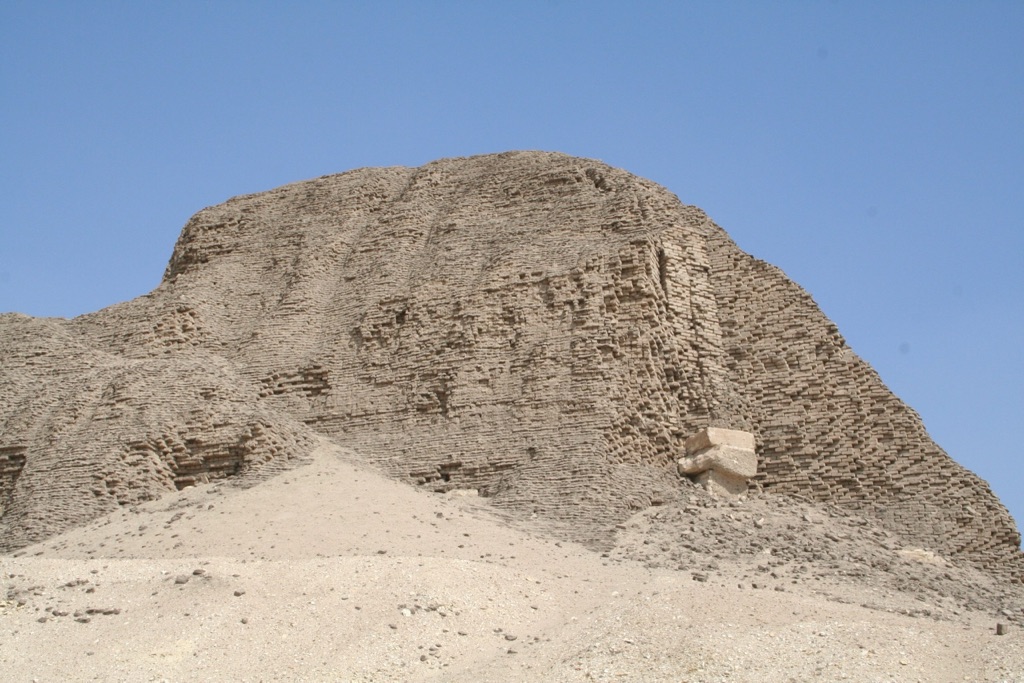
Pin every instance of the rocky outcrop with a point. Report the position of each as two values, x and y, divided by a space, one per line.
544 329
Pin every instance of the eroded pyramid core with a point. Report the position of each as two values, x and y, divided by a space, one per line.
544 329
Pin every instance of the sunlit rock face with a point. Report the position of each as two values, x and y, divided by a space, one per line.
543 329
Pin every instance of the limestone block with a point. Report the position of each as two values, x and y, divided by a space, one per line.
511 313
720 460
738 462
715 436
721 483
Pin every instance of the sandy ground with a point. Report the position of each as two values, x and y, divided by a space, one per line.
330 572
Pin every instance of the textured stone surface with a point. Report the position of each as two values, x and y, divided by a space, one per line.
543 329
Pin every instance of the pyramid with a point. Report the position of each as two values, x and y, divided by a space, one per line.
545 330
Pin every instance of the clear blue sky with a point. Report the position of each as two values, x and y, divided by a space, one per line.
872 150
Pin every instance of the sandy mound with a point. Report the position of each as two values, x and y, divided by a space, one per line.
332 572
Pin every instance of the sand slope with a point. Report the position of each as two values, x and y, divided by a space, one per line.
331 572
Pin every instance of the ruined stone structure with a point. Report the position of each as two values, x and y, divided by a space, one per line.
544 329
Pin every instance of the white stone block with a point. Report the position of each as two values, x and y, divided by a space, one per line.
714 436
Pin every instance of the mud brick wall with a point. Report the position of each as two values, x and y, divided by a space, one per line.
96 431
545 329
12 460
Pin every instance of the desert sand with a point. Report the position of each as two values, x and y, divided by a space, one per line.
333 572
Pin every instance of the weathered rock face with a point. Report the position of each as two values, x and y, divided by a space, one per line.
545 329
83 431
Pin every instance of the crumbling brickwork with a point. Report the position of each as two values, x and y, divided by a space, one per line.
829 429
83 432
544 329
